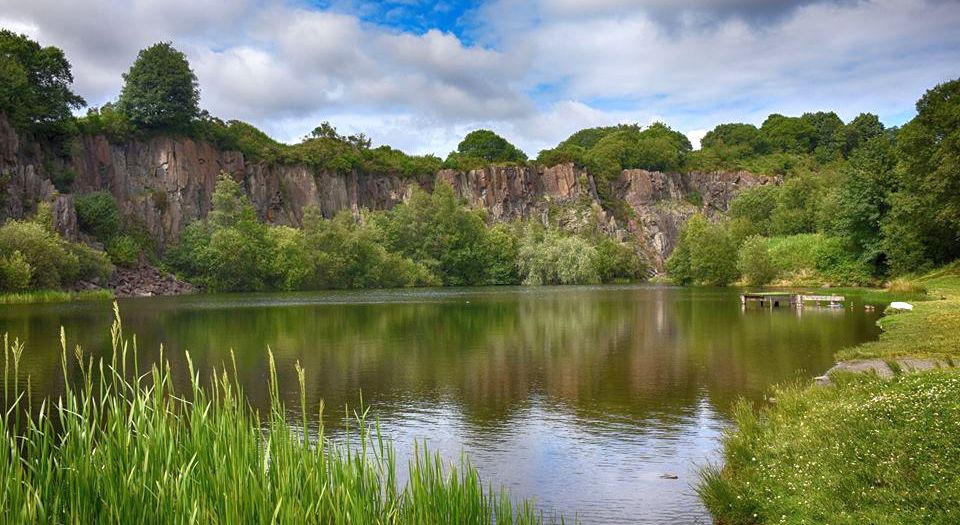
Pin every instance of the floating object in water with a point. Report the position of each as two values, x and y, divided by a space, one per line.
900 305
667 475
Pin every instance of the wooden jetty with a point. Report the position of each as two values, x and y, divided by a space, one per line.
777 299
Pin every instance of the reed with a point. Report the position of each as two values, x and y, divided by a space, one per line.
55 296
122 445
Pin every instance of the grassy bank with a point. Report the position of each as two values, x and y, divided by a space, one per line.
864 450
121 446
55 296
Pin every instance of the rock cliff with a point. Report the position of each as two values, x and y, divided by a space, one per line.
163 183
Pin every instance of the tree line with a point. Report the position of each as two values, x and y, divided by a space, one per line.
858 202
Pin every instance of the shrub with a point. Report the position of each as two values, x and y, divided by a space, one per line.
124 251
903 285
108 121
705 254
92 265
43 250
617 261
754 261
98 215
552 257
837 262
15 273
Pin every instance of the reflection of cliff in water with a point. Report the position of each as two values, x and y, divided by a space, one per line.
628 353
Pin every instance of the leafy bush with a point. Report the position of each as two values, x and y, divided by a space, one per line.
436 231
92 265
54 262
552 257
124 251
705 254
98 215
795 253
838 264
617 262
53 265
754 262
109 122
15 272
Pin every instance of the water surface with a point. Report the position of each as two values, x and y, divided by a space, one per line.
580 397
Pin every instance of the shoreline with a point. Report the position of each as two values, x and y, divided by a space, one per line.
886 411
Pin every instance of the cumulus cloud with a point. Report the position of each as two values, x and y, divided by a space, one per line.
533 70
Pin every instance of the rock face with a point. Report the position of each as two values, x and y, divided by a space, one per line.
163 183
662 202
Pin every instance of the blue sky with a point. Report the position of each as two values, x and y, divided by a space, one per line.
415 16
419 75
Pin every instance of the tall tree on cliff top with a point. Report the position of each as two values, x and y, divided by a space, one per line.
35 88
487 145
160 90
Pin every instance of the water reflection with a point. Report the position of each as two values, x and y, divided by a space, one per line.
581 397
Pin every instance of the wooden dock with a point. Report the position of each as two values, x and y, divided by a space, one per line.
796 300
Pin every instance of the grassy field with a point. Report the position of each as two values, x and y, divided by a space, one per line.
54 296
930 330
121 446
863 450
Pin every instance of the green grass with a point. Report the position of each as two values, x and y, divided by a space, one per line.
929 331
867 451
121 445
54 296
864 450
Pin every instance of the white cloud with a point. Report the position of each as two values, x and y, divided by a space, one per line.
538 70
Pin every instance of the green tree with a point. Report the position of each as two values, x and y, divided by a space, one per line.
438 232
923 226
705 254
490 147
789 134
860 130
826 125
863 201
35 89
754 261
554 257
745 135
160 91
617 261
754 207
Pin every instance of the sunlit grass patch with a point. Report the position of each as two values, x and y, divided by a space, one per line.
55 296
930 330
865 451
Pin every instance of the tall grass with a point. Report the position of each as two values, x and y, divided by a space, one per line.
54 296
121 445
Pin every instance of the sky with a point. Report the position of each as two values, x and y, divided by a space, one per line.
419 75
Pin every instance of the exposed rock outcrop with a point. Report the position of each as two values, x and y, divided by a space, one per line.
163 183
662 202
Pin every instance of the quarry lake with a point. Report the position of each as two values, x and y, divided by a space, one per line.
588 399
